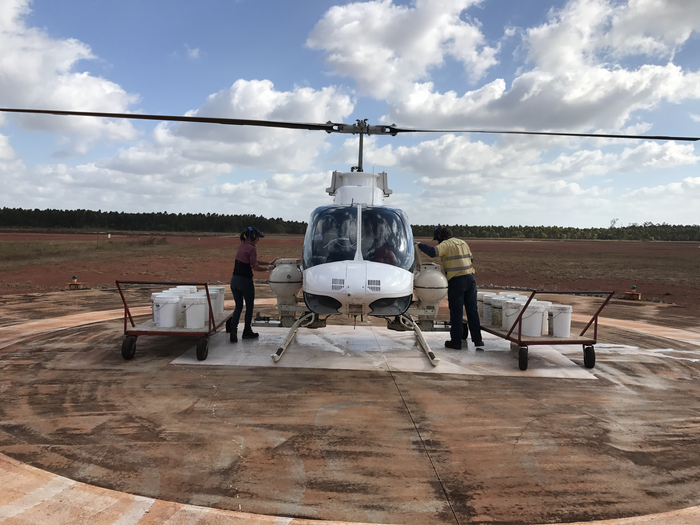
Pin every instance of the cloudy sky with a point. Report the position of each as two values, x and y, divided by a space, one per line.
608 66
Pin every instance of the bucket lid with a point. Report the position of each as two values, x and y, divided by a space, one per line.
193 299
167 299
499 302
561 308
535 307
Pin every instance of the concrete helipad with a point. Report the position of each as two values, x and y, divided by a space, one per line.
352 425
377 349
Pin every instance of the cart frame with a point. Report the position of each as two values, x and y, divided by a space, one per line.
149 327
516 337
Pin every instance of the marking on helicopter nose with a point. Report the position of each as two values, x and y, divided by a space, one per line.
374 284
337 284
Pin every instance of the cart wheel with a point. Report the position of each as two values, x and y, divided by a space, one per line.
589 356
129 347
522 358
202 349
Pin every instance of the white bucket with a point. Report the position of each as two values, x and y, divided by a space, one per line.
532 320
154 296
203 295
561 320
497 304
194 308
187 288
179 293
487 307
545 316
480 304
510 313
165 310
218 293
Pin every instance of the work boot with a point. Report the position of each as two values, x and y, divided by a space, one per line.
248 333
455 346
479 344
233 336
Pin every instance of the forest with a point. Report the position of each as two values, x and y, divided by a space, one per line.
14 218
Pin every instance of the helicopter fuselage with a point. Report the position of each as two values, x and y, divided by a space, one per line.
358 256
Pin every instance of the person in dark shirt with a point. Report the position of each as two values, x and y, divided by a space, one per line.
242 285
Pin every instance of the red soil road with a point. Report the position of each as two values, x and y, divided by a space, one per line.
662 271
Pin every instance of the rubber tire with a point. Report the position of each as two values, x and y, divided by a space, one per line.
522 358
202 349
129 347
589 356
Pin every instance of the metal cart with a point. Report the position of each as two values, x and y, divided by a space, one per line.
149 327
514 334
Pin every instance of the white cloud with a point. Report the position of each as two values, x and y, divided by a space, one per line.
574 84
37 71
384 47
193 53
271 148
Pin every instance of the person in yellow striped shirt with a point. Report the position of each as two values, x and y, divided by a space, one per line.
457 262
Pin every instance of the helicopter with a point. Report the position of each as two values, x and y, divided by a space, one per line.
358 255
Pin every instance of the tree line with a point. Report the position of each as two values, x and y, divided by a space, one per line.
214 222
632 232
146 222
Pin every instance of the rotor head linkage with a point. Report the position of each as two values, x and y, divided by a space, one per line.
361 127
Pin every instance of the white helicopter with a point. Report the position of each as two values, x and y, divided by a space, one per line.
358 254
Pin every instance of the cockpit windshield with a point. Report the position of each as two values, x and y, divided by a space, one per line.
387 237
331 235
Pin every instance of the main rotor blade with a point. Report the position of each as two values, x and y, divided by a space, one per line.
329 127
333 127
395 130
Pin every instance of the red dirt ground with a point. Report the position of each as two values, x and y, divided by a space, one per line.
662 271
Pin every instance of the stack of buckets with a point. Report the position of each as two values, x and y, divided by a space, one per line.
186 306
540 318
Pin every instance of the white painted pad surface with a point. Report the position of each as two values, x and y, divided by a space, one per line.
376 348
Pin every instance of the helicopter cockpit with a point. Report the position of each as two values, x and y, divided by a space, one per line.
385 236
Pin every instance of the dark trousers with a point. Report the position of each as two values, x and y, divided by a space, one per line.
243 289
461 294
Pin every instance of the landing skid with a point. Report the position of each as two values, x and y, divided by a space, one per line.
409 323
304 320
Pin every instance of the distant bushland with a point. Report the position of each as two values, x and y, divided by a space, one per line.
143 222
219 223
632 232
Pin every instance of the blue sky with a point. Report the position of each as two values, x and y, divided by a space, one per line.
576 66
